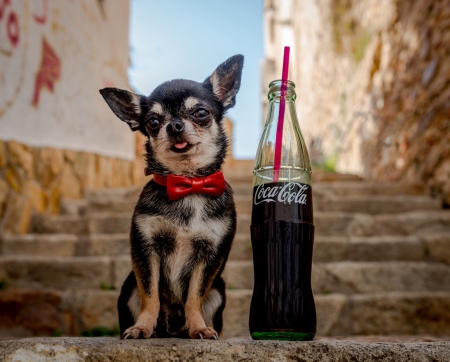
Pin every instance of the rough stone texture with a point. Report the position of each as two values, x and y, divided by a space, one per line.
361 277
30 313
37 179
373 84
56 273
108 349
400 313
39 245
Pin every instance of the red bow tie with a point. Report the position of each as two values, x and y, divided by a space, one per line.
180 186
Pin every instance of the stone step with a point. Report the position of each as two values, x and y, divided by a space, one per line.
432 247
65 245
76 273
358 224
112 349
322 202
369 204
357 277
45 312
391 313
337 277
326 223
368 189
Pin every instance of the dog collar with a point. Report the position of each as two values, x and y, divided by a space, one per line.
181 186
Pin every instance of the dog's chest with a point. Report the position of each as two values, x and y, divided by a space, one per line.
179 252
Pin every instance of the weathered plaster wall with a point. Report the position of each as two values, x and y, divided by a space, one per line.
58 137
373 84
54 57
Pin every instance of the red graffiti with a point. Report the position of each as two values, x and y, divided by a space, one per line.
49 71
42 19
12 24
12 28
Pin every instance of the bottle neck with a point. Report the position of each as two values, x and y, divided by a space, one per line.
294 165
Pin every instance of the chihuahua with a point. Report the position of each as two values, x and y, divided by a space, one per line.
185 219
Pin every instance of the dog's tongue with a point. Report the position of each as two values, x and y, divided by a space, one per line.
180 145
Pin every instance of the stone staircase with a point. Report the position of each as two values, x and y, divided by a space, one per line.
381 263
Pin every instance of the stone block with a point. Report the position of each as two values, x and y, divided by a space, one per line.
37 197
35 273
21 156
243 204
239 274
113 349
400 313
70 156
13 179
49 163
332 313
330 248
377 204
17 218
52 245
243 225
70 185
373 277
91 309
108 245
121 266
60 224
3 192
110 223
438 247
385 248
236 313
30 313
54 201
2 154
241 248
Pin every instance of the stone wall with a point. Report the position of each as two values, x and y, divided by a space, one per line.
36 179
373 84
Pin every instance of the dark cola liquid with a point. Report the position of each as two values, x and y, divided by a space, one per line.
282 233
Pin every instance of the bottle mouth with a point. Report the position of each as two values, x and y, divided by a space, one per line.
279 82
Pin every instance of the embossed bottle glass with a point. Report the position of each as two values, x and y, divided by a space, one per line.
282 230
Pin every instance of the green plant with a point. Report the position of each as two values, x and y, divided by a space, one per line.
3 285
57 333
100 331
106 286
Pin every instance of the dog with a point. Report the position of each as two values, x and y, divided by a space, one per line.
184 222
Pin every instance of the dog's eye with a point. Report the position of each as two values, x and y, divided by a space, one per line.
201 113
153 123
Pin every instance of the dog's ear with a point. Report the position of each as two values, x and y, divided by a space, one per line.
126 105
226 80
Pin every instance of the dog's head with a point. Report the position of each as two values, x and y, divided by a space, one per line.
182 120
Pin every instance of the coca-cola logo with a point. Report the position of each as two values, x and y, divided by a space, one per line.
289 192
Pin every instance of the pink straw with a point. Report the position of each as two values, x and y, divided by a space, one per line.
279 137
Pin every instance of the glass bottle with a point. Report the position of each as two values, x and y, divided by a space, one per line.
282 229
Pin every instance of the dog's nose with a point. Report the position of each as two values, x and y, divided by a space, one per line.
175 127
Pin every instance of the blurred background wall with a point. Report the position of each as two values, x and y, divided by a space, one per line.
57 137
373 84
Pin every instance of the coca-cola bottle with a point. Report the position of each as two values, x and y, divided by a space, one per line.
282 229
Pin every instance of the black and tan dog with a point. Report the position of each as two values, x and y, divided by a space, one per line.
185 220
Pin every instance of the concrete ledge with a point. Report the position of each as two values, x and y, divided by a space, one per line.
112 349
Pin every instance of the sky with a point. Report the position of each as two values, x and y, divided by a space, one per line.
188 39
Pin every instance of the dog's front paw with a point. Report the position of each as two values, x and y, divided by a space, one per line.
137 332
204 333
